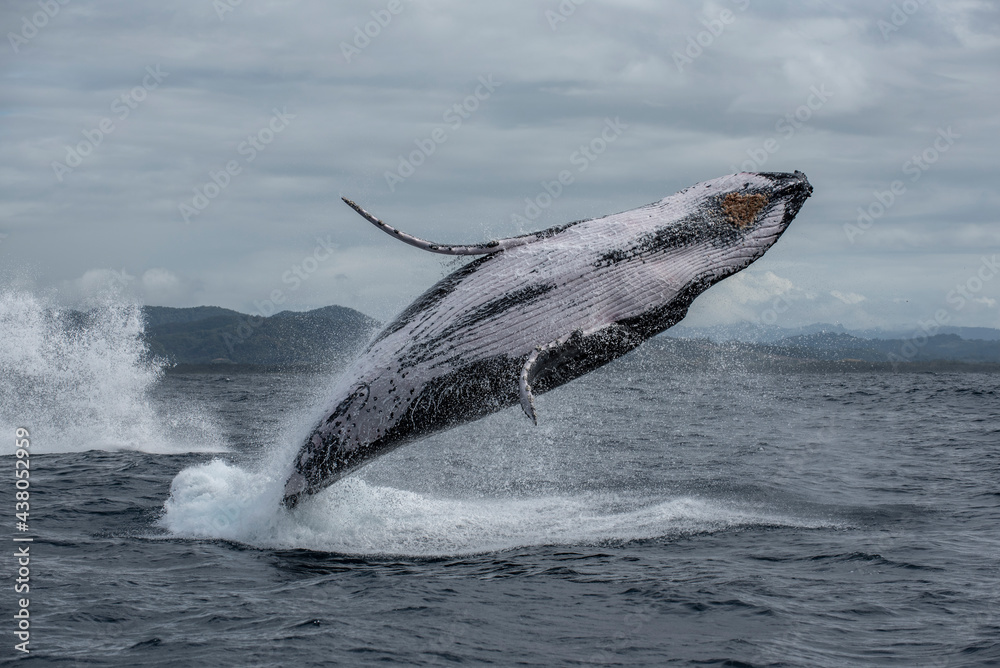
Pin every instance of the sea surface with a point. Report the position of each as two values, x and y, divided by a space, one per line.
654 517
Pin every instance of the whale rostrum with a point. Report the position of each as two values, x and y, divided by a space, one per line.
536 311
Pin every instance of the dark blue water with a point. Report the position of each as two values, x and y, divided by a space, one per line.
654 517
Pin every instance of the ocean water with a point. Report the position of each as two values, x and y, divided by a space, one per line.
655 517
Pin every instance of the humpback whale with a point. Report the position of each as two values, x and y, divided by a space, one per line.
536 311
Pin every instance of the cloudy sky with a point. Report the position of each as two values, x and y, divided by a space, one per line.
196 152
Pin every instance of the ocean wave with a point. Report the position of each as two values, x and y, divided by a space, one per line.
219 500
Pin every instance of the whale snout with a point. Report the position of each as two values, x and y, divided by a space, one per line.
789 185
786 179
759 207
791 189
794 189
294 488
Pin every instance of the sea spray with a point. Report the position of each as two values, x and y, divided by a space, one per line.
81 380
224 501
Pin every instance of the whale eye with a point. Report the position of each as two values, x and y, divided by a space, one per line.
741 210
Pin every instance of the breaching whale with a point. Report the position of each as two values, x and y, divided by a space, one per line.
536 311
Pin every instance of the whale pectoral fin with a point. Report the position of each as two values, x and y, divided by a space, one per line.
527 375
451 249
571 356
537 361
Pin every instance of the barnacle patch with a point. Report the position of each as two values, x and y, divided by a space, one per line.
741 210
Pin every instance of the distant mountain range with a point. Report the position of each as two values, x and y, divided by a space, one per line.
828 347
749 332
203 335
911 350
328 337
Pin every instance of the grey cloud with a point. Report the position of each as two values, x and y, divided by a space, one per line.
120 207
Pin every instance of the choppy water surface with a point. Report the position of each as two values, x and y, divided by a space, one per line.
715 518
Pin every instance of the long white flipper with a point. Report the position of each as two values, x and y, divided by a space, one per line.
444 249
532 367
524 387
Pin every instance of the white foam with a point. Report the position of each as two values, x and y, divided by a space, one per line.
86 386
223 501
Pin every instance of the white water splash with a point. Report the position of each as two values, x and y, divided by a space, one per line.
223 501
83 382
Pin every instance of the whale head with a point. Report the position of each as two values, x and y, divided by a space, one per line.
763 217
749 214
734 219
671 251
